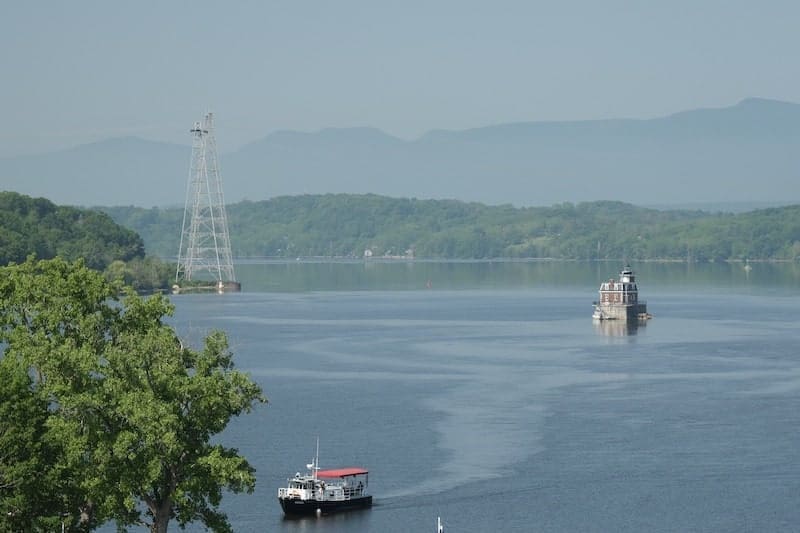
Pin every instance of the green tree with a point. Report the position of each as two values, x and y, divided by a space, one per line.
133 409
34 490
144 275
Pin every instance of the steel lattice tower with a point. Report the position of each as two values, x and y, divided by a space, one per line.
205 249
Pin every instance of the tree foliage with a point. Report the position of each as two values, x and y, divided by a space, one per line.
33 486
144 275
120 413
39 227
345 225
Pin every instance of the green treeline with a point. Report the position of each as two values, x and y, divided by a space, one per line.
38 227
345 225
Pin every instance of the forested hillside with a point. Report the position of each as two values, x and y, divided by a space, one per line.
37 226
344 225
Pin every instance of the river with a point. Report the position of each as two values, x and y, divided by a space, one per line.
482 393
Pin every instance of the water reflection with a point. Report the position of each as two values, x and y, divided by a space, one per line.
344 521
618 328
306 275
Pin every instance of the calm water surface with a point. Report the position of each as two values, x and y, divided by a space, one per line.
492 400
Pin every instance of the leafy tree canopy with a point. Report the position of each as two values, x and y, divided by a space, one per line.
106 415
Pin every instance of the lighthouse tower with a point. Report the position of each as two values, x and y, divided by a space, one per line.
619 299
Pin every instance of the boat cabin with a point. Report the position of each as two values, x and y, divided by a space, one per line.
344 483
327 485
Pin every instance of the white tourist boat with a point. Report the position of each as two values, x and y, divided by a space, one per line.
325 491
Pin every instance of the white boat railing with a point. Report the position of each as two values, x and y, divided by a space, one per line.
353 492
347 492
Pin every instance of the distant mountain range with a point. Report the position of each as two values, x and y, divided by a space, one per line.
749 152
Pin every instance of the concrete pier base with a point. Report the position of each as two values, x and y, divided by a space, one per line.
626 312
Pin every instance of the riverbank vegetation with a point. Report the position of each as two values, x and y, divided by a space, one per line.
113 239
39 228
346 225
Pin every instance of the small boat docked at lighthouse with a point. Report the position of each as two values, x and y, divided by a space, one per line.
619 300
325 491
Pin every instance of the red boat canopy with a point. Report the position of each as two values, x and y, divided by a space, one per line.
342 472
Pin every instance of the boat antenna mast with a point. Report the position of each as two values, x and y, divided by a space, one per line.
314 464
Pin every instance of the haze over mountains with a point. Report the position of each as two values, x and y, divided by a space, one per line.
743 153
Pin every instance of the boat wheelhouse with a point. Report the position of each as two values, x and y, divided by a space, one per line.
325 491
619 299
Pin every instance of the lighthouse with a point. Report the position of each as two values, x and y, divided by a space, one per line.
619 299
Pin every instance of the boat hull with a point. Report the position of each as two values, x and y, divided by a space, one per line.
298 507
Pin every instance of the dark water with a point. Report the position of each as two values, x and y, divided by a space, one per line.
490 399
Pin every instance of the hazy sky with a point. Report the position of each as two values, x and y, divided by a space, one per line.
77 72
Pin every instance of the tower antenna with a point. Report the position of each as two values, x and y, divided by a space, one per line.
205 247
